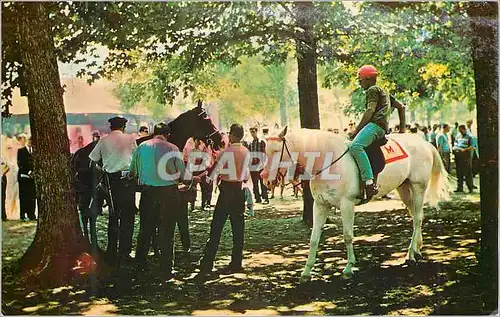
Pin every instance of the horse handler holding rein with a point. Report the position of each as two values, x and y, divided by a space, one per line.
374 124
158 166
230 203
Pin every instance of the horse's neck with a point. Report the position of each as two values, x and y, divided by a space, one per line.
179 139
306 140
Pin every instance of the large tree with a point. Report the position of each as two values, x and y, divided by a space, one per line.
58 240
484 21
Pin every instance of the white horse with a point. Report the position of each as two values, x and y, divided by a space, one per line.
420 175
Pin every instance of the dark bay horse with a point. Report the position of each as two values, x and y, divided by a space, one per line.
194 123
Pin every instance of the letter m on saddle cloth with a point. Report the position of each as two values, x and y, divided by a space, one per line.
384 151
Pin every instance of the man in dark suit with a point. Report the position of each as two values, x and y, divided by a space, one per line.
84 181
27 195
5 170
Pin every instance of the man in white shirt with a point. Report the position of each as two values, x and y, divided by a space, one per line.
115 150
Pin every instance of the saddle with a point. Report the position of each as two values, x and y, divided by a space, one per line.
377 163
375 155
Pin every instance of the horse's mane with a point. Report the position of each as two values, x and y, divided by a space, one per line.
178 136
314 140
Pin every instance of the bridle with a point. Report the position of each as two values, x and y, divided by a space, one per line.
208 138
285 147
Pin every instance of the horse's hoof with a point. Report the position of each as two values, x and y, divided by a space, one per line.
304 278
411 262
347 276
347 273
418 257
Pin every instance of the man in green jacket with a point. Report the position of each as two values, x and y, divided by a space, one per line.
374 124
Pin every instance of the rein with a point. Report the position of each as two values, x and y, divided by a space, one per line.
285 146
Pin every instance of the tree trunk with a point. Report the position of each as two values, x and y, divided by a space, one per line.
308 86
484 22
58 239
306 60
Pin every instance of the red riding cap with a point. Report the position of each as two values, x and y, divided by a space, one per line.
367 71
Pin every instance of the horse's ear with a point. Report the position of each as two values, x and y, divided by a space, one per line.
200 103
283 132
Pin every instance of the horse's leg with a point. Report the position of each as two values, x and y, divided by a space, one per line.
418 192
347 212
405 193
319 217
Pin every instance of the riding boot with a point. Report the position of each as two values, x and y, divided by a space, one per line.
371 190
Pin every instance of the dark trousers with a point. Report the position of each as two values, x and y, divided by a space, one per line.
256 181
231 203
445 157
206 192
83 200
27 198
4 192
121 219
159 206
464 169
183 223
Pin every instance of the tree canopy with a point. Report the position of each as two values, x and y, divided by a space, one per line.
158 51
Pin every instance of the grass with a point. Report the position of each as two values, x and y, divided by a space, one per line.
276 245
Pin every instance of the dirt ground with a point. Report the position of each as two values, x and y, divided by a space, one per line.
446 281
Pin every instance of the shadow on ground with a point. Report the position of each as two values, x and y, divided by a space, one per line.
446 281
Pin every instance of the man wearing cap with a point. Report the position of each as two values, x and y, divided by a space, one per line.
115 150
234 161
374 124
158 166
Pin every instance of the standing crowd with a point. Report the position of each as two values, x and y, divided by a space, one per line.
128 165
458 141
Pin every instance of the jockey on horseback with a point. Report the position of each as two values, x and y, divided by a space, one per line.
374 124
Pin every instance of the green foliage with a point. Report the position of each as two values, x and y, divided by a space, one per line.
357 105
421 51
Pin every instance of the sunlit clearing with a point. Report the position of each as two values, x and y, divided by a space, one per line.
33 308
60 289
100 307
314 307
372 238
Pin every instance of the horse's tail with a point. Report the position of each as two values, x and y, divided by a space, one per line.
438 189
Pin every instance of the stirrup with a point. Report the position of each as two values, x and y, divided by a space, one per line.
364 193
372 189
